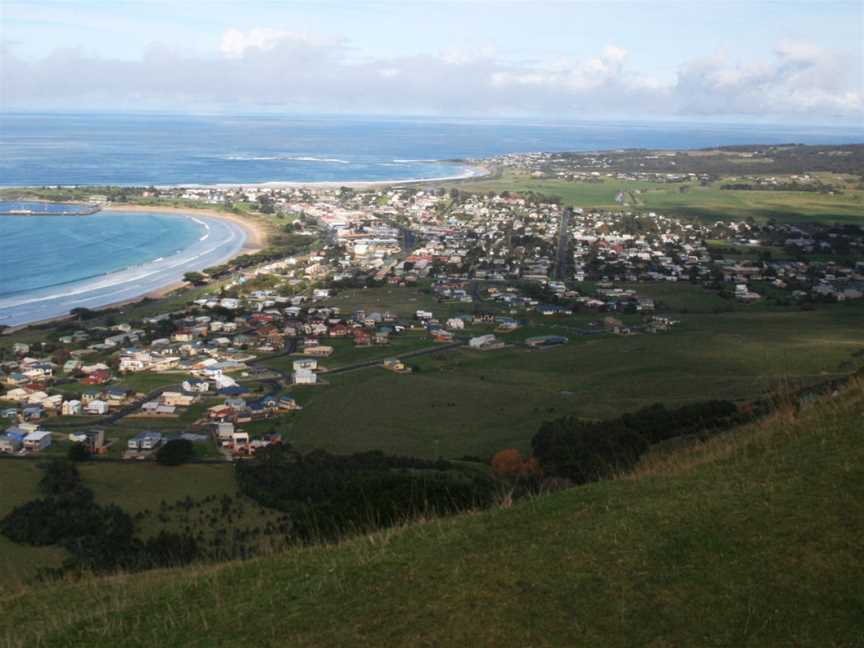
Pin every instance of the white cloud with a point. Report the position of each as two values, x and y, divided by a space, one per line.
298 71
236 43
801 79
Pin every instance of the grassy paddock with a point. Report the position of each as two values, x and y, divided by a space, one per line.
757 544
469 402
708 203
132 486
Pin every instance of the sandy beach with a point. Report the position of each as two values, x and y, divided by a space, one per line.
256 233
256 236
475 172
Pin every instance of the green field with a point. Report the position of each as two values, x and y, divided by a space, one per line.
751 539
708 203
469 402
404 302
133 486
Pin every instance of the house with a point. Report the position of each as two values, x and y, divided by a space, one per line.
15 379
304 376
116 395
318 351
32 412
310 364
240 442
98 377
144 441
288 403
155 408
176 399
93 439
52 402
339 330
455 324
195 385
396 366
11 441
36 397
220 412
71 408
224 430
545 341
90 395
38 440
440 335
17 395
482 341
98 407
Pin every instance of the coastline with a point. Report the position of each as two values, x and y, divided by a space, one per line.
475 171
255 239
257 235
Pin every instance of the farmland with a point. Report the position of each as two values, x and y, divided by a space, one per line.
707 203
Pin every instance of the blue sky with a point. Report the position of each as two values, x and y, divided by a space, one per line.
703 58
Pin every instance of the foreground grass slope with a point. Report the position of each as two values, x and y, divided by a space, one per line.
753 538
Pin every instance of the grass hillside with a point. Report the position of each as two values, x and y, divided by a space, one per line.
750 539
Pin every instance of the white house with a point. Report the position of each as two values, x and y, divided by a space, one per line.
306 363
34 398
305 377
481 341
38 440
17 395
97 406
455 324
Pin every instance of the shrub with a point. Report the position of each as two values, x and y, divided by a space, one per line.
60 477
175 452
79 452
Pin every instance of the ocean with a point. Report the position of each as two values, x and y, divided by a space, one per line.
49 265
52 264
149 149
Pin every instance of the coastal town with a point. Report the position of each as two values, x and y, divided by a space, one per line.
486 271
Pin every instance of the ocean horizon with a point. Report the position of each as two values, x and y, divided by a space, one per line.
145 149
49 265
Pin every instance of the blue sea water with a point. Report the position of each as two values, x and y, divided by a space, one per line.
145 149
52 264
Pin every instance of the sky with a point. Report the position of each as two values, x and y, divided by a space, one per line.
779 61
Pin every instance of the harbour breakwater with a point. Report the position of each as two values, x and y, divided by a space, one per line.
39 208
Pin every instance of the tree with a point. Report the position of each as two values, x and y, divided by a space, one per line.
175 452
195 278
60 477
79 452
507 463
83 313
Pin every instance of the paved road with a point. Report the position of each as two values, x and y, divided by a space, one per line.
562 259
409 354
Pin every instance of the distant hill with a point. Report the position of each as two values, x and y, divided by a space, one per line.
753 538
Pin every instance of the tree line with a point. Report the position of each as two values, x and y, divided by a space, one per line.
327 496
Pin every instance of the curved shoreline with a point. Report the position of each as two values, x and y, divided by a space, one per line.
253 236
256 234
473 171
